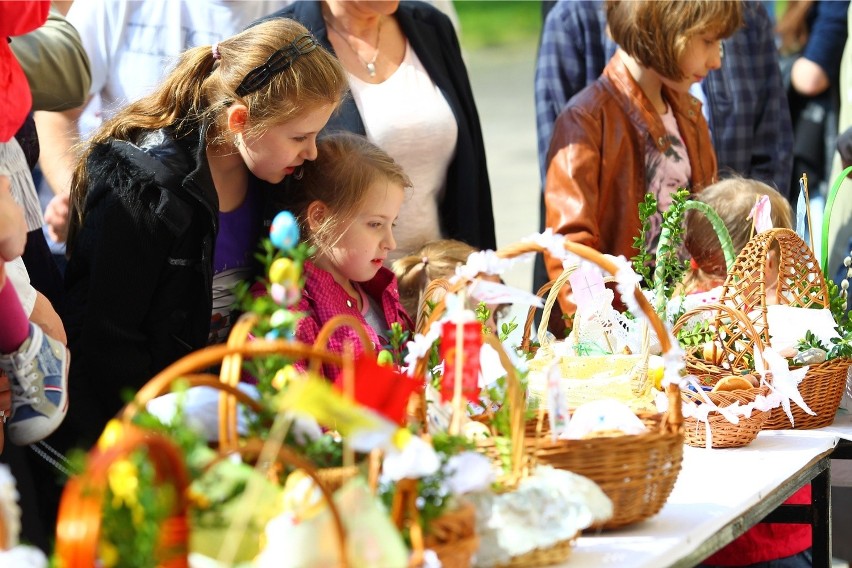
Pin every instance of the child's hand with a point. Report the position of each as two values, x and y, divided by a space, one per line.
56 217
13 226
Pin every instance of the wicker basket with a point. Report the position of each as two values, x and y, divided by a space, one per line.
231 357
187 370
637 472
723 433
735 338
231 374
79 521
452 536
621 377
520 457
800 284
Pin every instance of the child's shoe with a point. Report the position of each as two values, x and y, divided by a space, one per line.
38 372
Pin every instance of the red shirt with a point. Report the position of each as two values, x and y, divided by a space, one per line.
16 18
768 541
323 298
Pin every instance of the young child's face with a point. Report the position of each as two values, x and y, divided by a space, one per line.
368 237
703 54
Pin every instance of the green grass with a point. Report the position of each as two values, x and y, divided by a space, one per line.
493 23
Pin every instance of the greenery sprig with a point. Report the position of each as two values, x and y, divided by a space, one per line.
669 268
433 498
643 261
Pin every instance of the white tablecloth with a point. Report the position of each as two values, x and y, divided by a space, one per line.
714 488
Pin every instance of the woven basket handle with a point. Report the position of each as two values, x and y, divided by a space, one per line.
674 418
826 221
517 408
81 509
331 326
204 358
230 374
800 282
749 335
432 306
550 293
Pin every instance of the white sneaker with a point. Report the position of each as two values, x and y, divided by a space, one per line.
38 371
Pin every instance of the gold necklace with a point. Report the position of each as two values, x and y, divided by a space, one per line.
369 65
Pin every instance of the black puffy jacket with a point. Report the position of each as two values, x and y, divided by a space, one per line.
139 280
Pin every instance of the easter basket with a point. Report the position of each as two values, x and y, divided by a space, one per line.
637 472
80 511
585 378
800 284
79 521
729 345
451 536
519 453
190 372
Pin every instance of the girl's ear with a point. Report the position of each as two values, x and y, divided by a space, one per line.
317 212
237 119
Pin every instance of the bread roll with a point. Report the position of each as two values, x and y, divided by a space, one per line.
732 383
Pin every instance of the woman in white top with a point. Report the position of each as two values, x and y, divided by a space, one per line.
411 96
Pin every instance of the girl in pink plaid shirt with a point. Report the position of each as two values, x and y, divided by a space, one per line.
346 202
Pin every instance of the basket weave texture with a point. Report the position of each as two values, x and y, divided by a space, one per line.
520 452
190 370
555 554
637 472
801 284
585 378
723 433
452 536
731 330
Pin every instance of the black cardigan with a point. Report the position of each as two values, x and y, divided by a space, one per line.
465 210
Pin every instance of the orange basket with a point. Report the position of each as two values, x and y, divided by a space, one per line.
80 510
800 284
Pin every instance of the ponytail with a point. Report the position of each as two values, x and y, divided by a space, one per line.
202 86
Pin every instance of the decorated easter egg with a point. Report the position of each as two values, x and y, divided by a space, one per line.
278 293
284 232
385 358
284 271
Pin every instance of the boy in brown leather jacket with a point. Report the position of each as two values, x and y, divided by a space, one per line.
636 129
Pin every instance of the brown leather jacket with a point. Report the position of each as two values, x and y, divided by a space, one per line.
596 173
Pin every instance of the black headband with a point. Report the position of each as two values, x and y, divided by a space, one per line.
277 62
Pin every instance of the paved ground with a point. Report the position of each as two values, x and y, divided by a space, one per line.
502 82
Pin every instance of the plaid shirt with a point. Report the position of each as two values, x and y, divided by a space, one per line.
323 298
749 116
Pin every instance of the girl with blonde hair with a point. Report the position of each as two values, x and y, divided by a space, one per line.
433 262
764 545
346 203
167 206
733 199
